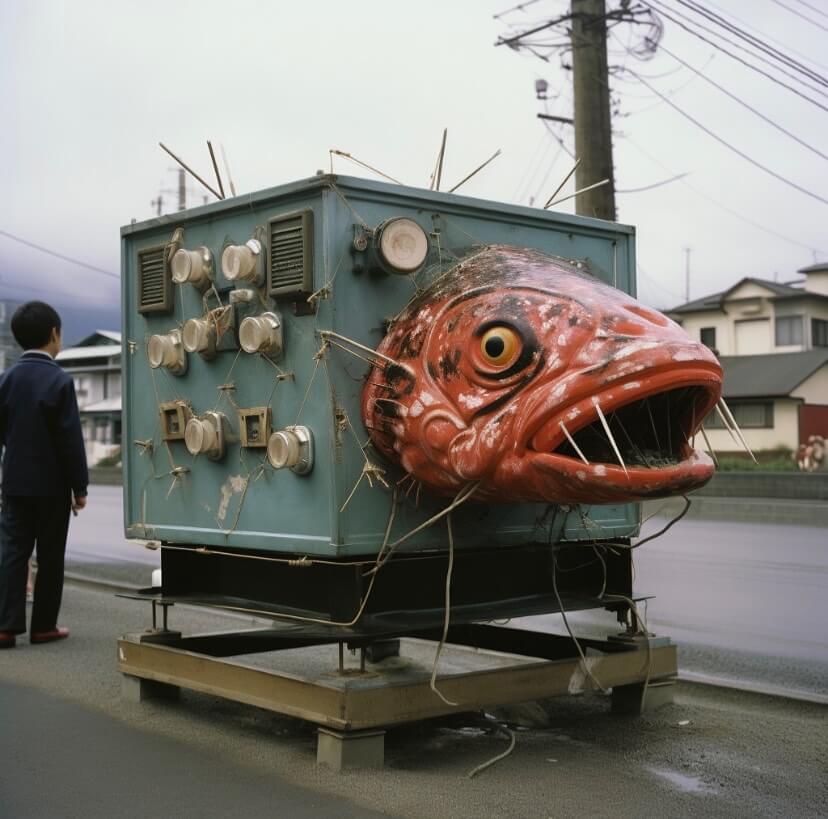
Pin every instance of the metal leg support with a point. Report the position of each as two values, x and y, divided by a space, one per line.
350 749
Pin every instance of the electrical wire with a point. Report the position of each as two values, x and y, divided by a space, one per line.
726 208
57 255
748 26
669 15
800 14
812 8
732 147
744 104
756 42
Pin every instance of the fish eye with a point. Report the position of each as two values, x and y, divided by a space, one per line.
499 345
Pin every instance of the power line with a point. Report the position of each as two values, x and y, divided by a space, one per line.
756 42
744 104
812 8
726 208
736 57
770 39
762 58
57 255
733 148
800 15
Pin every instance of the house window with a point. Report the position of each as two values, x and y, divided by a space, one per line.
707 335
788 331
819 332
748 415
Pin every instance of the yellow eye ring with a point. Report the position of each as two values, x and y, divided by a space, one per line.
499 345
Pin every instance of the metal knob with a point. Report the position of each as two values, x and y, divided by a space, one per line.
199 336
167 351
291 448
262 334
193 266
242 263
205 435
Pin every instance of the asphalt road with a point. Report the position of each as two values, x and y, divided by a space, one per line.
72 748
744 602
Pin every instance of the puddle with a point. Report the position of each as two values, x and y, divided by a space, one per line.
685 783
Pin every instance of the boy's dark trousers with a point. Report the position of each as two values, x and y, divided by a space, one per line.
27 521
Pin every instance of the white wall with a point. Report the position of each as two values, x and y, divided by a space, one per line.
694 323
753 336
814 390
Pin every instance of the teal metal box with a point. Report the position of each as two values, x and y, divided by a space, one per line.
240 501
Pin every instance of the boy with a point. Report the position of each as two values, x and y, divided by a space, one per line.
44 475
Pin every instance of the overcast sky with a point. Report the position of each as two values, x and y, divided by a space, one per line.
87 89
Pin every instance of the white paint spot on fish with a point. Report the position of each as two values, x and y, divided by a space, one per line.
470 401
624 352
427 398
416 409
581 475
684 356
234 485
562 340
632 385
599 469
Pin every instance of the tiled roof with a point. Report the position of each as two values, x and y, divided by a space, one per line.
771 375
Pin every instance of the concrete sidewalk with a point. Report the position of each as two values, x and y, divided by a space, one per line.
717 754
63 759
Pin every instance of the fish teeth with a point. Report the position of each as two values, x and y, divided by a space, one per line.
736 427
609 435
572 443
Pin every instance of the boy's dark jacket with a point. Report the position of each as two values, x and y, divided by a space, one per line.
40 430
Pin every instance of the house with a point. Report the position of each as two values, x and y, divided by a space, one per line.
95 366
772 341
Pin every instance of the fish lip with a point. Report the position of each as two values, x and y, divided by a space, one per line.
654 382
609 483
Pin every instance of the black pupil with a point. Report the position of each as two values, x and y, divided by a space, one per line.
495 347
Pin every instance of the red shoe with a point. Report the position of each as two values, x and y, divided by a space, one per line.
49 636
7 639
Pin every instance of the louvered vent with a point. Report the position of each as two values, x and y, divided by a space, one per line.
290 255
154 281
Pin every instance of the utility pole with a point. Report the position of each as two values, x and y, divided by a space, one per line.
593 126
182 189
687 274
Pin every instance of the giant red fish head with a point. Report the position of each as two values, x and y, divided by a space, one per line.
518 370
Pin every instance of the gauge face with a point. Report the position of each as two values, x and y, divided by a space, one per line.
403 245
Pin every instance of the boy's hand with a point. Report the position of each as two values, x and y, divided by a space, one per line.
78 503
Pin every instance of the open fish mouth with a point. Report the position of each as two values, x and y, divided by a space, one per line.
651 432
634 440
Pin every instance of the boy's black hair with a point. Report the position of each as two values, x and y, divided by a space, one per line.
32 324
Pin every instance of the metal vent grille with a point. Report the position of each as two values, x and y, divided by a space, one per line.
290 255
154 281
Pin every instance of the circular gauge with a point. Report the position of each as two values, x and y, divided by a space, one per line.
403 245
